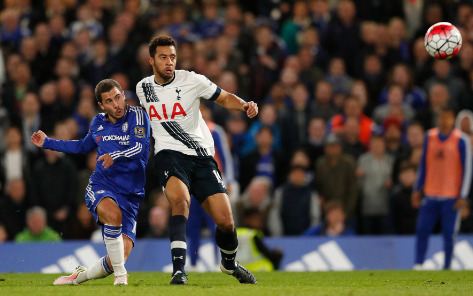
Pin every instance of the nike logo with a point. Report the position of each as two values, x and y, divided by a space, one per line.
178 257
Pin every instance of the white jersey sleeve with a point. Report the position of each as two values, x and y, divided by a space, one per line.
205 89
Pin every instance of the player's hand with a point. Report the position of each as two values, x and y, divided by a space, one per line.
38 138
107 160
461 203
251 109
415 199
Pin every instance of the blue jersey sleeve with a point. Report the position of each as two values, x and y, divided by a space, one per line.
419 183
76 146
464 146
139 135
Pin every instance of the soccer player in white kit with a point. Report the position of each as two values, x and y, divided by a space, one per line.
184 151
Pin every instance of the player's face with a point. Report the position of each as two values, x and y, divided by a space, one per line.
164 63
113 103
446 120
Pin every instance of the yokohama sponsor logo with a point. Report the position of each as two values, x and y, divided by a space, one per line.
116 138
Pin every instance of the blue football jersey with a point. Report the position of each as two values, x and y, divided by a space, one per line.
126 141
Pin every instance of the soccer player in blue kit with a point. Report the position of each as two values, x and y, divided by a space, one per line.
116 187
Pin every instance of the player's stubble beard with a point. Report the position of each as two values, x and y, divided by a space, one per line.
162 74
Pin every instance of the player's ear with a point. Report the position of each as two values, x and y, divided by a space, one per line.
101 106
151 61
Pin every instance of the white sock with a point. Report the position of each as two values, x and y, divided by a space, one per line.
115 248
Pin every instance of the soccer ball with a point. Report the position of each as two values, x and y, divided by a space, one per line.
443 40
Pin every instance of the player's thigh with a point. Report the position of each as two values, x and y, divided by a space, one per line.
218 207
176 191
428 215
450 217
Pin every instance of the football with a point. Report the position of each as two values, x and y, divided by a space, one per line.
443 40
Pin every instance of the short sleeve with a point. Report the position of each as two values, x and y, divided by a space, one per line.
205 88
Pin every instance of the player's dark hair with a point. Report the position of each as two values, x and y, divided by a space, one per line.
105 86
450 109
160 40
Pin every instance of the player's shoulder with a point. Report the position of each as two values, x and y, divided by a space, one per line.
144 81
137 114
97 121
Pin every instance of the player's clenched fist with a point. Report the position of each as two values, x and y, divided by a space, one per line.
107 160
251 109
38 138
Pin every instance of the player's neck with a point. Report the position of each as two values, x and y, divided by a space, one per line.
160 80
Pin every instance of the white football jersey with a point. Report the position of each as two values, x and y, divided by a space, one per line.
174 114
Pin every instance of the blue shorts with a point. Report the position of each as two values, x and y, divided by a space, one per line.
128 204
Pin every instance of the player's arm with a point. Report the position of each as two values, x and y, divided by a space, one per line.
41 140
419 183
464 146
233 102
139 138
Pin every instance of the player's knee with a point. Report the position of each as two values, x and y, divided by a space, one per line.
114 218
226 226
181 205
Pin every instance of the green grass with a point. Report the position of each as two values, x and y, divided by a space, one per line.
274 283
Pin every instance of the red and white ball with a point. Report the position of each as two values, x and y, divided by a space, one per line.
443 40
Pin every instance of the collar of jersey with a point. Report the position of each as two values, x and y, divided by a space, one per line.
167 83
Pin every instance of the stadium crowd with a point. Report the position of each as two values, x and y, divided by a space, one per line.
346 92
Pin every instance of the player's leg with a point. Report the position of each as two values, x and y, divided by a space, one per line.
450 224
110 216
218 207
178 196
426 219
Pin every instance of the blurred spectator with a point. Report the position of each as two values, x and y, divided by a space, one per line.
211 26
267 118
14 161
58 29
121 53
158 223
459 98
421 61
83 116
296 119
403 215
464 121
253 251
101 66
334 222
278 98
82 224
13 93
379 11
181 29
31 120
13 207
266 62
335 178
55 181
309 73
83 44
292 28
140 67
262 161
342 34
46 55
257 195
86 20
403 75
323 105
295 206
37 228
412 151
314 144
49 106
374 175
395 99
66 94
11 31
374 76
237 126
337 77
352 108
393 136
351 138
320 14
439 98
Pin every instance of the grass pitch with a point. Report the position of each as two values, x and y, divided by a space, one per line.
273 283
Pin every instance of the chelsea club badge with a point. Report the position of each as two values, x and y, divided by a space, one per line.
125 127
